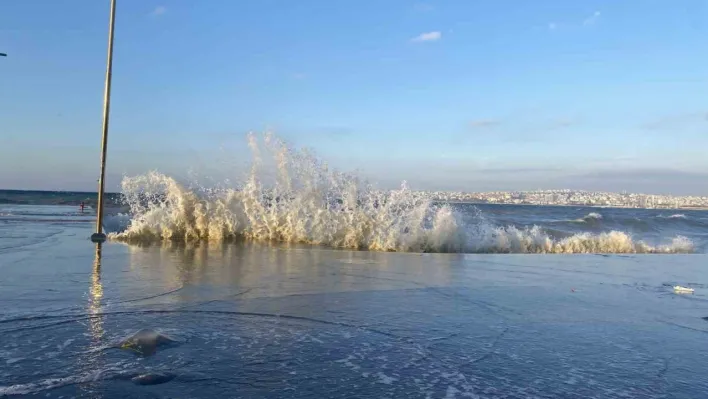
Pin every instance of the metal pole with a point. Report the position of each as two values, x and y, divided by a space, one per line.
99 236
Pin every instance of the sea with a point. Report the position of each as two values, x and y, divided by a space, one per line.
298 281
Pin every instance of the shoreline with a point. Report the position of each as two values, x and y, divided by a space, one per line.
694 208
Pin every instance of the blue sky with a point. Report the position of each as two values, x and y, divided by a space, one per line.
463 95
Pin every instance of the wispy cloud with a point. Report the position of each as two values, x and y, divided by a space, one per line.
484 123
517 170
638 180
428 37
646 173
592 19
677 121
563 123
423 7
159 10
492 131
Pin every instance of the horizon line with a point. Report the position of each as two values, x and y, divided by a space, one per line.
623 192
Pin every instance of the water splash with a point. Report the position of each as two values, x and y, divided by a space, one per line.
510 239
674 216
592 217
306 202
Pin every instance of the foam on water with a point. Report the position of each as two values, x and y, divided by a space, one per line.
593 215
589 218
309 203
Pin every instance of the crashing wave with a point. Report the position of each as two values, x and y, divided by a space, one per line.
590 218
308 203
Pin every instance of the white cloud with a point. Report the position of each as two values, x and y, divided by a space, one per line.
159 10
592 19
428 37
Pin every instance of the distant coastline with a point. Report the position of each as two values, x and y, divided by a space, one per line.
574 205
561 198
565 197
50 192
44 197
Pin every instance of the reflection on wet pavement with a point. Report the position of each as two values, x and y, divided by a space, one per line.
277 321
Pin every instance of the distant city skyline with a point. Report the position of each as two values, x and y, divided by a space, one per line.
561 197
455 95
580 198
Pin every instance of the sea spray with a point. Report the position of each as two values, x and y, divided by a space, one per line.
305 201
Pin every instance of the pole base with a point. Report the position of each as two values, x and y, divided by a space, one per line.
98 237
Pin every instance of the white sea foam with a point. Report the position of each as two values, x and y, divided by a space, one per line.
593 215
49 384
510 239
309 203
590 217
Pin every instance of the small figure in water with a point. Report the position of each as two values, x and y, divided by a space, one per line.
82 206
